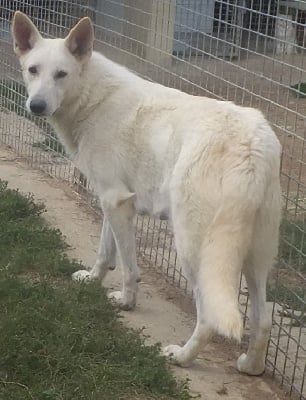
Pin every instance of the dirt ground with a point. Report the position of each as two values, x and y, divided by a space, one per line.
166 317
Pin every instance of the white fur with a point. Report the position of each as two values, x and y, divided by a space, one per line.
211 166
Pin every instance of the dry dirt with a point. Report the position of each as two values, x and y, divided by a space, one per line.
165 319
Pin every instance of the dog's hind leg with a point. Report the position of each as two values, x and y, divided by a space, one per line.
216 291
258 263
105 259
183 356
219 260
253 363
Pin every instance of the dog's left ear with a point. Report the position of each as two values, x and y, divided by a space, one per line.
25 33
80 39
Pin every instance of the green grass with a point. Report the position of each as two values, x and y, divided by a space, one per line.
299 89
293 243
289 288
63 340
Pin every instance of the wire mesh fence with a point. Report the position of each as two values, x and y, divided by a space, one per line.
247 51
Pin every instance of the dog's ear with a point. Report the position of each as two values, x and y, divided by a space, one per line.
80 39
25 34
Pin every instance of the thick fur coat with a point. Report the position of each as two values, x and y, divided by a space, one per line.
212 167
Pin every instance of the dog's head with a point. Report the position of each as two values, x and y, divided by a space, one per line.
51 67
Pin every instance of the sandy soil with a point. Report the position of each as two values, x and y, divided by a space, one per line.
166 317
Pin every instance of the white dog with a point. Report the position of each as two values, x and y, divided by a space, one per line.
211 166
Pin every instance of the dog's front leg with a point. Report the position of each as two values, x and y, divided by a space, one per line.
119 210
105 259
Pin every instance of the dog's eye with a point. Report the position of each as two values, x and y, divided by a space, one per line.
60 74
33 70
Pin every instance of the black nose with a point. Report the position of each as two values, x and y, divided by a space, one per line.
38 106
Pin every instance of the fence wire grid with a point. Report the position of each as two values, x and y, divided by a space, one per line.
251 52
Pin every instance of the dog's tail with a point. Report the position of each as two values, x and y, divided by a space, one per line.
229 242
222 256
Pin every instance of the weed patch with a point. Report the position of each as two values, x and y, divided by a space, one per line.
60 339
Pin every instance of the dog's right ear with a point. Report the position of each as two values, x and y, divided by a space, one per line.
25 34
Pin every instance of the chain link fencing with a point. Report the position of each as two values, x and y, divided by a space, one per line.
251 52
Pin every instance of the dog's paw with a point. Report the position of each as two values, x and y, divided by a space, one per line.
122 300
249 367
83 276
116 296
176 355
